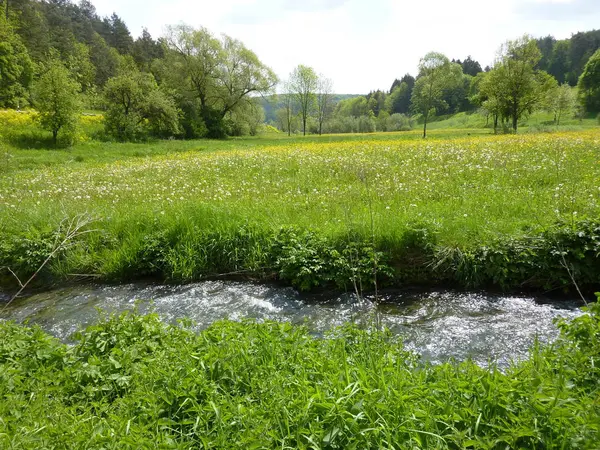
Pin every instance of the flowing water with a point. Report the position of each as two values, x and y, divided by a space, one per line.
437 324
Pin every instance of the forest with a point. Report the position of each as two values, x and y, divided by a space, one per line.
189 83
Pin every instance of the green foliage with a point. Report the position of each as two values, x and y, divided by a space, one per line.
136 108
514 88
589 84
553 259
307 261
16 68
212 78
303 84
132 381
56 97
436 74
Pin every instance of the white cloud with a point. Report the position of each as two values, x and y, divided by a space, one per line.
362 45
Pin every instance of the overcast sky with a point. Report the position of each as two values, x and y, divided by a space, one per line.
363 44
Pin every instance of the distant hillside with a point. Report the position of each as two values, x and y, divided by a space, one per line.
270 103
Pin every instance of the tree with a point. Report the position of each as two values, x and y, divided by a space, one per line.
398 102
57 101
286 113
145 50
589 84
136 108
436 73
488 95
408 79
221 75
303 84
471 67
324 101
117 34
560 100
520 87
16 68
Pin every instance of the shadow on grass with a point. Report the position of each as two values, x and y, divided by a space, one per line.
33 140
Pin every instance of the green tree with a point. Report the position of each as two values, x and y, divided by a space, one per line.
287 113
589 84
80 66
324 101
436 73
304 83
560 100
489 96
56 97
398 102
520 86
146 50
215 76
117 34
16 68
137 108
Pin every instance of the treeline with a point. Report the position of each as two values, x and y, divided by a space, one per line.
565 60
186 84
528 75
189 84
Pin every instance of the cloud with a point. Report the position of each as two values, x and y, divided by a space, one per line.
559 11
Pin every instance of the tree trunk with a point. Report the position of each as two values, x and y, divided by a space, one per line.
304 125
495 123
320 128
425 127
514 123
557 119
55 137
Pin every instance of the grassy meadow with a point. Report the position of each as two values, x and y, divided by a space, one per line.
462 207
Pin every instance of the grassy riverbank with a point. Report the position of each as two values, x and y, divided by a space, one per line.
134 382
503 211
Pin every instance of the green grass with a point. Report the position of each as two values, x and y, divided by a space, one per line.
134 382
538 121
307 210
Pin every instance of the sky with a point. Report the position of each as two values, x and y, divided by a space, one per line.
362 45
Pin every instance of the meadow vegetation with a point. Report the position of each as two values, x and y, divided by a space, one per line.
135 382
475 211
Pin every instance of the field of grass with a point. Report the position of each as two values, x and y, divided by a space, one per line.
316 211
536 122
134 382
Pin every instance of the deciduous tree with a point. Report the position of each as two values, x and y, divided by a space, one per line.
436 73
304 83
136 108
589 84
16 68
56 97
324 100
520 87
221 74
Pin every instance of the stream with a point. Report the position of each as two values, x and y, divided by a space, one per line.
438 325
